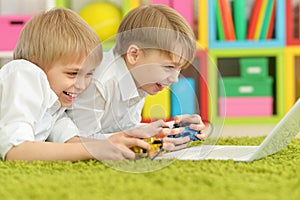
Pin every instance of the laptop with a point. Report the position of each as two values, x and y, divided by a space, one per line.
280 136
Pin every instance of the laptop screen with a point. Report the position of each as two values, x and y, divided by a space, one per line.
282 134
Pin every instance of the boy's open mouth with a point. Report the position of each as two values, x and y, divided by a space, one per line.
69 94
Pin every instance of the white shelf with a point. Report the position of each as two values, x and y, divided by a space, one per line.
6 54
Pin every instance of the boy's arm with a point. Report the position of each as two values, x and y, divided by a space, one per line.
116 147
30 151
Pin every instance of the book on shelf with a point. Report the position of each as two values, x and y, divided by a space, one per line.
261 16
267 19
220 29
253 19
240 19
227 20
272 22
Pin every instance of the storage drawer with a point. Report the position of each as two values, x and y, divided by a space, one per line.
245 106
254 67
11 27
236 86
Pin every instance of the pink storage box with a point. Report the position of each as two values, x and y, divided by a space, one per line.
10 28
245 106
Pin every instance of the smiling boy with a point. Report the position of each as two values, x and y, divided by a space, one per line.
154 43
54 60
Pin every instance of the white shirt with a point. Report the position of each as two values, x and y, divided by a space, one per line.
111 103
30 110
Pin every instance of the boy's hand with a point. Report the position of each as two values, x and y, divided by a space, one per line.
147 130
194 122
115 147
124 142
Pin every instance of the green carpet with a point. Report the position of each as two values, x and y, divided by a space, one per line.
274 177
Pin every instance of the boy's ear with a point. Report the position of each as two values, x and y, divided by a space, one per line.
132 55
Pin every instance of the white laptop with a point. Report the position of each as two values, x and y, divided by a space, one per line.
277 139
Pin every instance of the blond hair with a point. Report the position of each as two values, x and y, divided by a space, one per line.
156 27
57 35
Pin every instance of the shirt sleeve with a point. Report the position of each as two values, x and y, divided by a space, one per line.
63 130
23 100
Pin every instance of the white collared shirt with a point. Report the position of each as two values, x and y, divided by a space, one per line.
111 103
30 110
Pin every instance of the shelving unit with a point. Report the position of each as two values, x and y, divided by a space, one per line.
292 52
222 61
292 75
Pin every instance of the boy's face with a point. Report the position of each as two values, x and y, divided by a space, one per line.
154 70
68 81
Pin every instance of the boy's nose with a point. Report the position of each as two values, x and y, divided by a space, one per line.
80 83
173 78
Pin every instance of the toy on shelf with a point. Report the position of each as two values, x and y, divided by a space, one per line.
103 17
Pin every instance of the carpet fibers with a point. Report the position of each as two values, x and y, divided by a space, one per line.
274 177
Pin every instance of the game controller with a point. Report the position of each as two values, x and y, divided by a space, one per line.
187 132
155 148
157 143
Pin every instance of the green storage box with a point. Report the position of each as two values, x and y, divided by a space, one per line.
254 67
241 87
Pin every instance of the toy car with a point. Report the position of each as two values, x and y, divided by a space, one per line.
155 148
187 132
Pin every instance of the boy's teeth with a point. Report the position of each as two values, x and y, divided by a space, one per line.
72 95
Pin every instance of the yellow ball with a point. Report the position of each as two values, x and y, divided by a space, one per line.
103 17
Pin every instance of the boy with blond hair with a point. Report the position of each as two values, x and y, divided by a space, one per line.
154 43
54 60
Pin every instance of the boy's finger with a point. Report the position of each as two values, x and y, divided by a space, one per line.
176 141
135 142
172 147
127 153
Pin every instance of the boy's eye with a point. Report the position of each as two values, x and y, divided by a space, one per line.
72 73
169 67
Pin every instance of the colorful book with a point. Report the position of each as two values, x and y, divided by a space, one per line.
272 22
262 15
227 20
266 20
253 19
220 29
240 19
